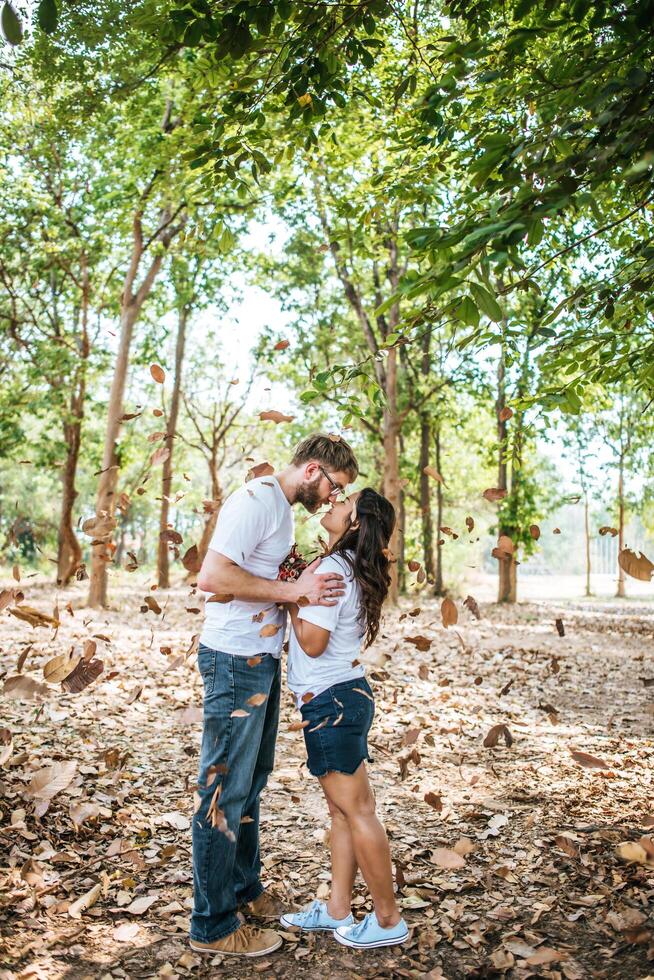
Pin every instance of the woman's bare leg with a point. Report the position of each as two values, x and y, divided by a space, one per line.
353 796
344 865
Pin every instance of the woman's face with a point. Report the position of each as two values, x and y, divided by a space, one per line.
341 515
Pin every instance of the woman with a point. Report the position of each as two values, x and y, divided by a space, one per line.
337 708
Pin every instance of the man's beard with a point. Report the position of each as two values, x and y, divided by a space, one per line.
307 494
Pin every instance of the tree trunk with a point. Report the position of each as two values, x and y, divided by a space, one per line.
212 515
506 580
425 500
169 442
69 552
587 535
106 497
439 588
401 544
390 429
621 593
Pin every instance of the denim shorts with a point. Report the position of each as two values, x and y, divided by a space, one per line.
339 721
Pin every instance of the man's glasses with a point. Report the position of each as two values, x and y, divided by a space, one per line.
336 490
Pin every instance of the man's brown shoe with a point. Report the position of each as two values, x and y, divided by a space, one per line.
246 941
265 906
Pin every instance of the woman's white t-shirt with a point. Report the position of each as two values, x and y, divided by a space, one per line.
315 674
254 530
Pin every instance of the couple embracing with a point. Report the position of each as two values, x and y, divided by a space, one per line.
334 607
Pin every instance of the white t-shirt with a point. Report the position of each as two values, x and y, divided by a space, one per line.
316 674
255 530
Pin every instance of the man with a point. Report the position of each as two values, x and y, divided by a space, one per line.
239 659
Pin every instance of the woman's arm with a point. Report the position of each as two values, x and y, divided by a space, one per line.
312 639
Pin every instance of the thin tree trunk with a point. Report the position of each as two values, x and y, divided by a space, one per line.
587 535
212 516
425 486
439 588
169 442
105 502
390 429
621 593
425 500
69 552
504 564
401 558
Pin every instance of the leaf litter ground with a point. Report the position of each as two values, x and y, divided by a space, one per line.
529 855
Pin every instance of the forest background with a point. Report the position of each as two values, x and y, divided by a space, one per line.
375 220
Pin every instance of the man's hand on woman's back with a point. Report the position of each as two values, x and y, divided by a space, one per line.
319 589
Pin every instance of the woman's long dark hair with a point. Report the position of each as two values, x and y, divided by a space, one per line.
365 550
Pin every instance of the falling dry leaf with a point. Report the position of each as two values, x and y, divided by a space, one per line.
221 597
269 630
470 524
420 642
588 761
449 613
450 533
470 603
191 560
33 616
257 699
505 414
261 469
434 474
494 493
560 628
534 530
281 345
273 416
495 734
613 531
158 373
59 667
160 455
636 564
297 726
99 527
84 674
434 800
240 713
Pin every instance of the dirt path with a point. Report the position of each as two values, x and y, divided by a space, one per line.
539 888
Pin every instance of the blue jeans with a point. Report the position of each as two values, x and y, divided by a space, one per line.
236 758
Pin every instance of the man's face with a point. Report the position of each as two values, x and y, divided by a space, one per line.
321 486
